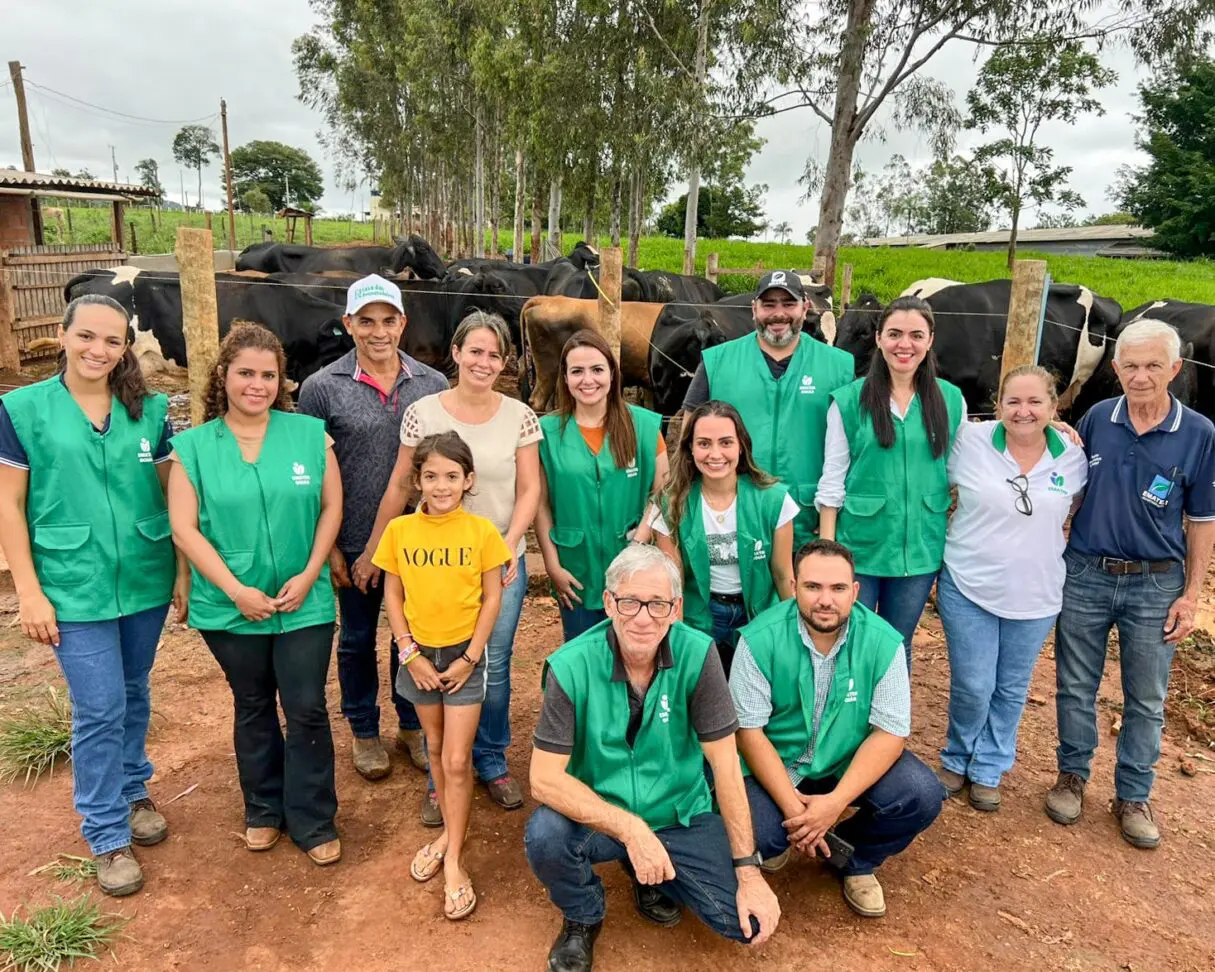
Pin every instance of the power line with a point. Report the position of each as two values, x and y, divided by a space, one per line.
121 114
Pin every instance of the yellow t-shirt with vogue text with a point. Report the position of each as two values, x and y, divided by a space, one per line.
440 560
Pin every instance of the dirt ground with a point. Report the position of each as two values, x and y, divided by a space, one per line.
1010 890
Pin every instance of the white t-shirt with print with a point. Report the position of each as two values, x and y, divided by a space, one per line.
721 536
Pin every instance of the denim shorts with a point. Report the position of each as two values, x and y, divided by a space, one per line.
471 692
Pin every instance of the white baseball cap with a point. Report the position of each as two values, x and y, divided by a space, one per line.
372 290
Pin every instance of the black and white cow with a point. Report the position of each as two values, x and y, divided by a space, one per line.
413 254
970 323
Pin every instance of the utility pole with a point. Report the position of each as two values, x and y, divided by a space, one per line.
223 115
27 147
114 162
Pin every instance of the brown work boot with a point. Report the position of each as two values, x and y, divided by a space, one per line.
412 743
770 865
864 895
259 839
432 813
370 759
953 782
985 798
148 827
1065 801
1137 824
327 853
118 873
505 792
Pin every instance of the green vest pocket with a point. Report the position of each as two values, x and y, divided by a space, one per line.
938 502
240 562
155 527
60 560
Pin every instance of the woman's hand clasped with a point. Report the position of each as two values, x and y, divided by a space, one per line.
253 604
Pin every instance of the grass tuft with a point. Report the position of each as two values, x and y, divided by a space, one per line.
33 740
69 867
61 932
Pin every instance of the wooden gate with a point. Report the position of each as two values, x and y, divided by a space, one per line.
31 292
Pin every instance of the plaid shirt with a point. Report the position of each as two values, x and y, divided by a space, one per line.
889 711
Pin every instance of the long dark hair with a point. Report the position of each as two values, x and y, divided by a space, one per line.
126 380
683 467
618 423
875 392
242 336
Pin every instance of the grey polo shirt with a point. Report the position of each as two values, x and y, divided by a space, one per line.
365 424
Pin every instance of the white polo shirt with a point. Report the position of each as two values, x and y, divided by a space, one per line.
1010 564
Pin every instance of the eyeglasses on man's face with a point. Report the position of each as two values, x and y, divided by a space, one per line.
630 607
1023 503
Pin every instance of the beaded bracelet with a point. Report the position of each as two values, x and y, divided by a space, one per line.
470 661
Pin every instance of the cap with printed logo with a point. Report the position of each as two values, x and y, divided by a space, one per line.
785 280
372 290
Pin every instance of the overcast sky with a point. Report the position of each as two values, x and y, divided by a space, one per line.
170 62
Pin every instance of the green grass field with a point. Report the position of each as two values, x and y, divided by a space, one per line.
884 272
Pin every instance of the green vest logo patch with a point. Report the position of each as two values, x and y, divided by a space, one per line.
631 469
145 450
664 709
807 385
299 475
850 696
760 553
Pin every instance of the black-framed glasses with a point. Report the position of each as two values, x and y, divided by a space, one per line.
1021 484
630 607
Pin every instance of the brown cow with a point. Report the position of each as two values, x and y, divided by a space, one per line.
548 322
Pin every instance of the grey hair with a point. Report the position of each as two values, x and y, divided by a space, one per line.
637 557
92 300
483 319
1144 331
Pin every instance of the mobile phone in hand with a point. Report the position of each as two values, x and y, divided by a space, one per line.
841 850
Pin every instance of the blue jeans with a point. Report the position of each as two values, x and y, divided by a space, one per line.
562 854
106 665
493 731
727 619
899 600
890 815
1093 602
578 619
358 673
991 660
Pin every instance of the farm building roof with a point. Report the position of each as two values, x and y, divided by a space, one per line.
1060 235
15 181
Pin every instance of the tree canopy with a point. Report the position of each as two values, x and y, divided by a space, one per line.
195 146
724 211
276 169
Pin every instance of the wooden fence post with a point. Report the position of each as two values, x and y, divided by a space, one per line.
200 314
134 238
610 267
711 263
846 289
10 350
207 219
1026 305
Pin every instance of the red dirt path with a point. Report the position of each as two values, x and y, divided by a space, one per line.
1009 890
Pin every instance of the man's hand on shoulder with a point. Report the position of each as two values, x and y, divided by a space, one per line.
650 860
756 900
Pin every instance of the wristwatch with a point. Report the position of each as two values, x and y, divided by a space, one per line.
751 860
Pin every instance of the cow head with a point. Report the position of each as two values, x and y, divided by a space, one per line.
584 256
675 357
856 330
418 255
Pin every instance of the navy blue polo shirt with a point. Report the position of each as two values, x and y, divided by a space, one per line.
1139 485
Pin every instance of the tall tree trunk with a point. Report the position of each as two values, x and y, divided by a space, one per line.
588 218
616 203
535 242
478 228
689 223
554 214
495 207
844 136
636 199
1012 236
520 176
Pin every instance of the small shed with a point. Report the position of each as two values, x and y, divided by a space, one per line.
291 214
32 274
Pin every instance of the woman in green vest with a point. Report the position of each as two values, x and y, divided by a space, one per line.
86 533
601 460
256 501
884 493
728 523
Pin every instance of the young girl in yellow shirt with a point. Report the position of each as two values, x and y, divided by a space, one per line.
442 589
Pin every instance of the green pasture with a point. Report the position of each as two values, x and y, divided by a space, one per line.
883 272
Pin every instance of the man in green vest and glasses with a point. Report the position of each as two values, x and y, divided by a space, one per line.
632 709
780 379
824 707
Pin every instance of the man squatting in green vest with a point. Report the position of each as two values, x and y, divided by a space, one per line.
780 379
632 709
824 706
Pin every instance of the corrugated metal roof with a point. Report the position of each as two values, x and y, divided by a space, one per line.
1060 235
40 180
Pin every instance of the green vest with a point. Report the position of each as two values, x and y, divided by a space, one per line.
260 517
594 503
757 511
661 778
787 419
896 500
775 642
98 524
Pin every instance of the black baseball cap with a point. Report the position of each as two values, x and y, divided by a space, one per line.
786 280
